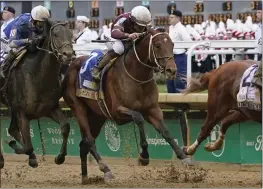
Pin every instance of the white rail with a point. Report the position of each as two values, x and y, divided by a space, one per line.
226 47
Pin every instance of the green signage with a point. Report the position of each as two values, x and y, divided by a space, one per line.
243 142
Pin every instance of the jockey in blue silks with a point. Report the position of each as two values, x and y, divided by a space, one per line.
21 30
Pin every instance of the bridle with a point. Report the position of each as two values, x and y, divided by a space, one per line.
52 44
151 51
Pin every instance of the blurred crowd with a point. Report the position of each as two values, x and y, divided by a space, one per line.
232 30
209 30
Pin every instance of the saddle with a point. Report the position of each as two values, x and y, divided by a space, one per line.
18 57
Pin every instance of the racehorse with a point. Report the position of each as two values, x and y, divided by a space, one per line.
131 94
33 88
223 86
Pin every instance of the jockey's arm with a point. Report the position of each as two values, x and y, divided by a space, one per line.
18 43
15 39
117 32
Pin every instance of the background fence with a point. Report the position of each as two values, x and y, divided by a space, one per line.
243 144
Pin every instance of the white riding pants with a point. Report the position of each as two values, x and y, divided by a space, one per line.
115 44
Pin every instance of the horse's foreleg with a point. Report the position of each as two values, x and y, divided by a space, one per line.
231 119
61 119
25 131
214 115
139 120
81 116
155 117
83 152
14 131
88 142
2 161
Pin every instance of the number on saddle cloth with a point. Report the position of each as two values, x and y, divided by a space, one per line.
85 78
249 95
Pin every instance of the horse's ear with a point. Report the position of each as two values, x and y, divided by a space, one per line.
66 23
50 22
150 30
159 29
47 26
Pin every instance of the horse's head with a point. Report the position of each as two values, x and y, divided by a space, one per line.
60 41
160 52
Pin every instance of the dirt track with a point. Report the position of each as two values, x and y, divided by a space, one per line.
128 174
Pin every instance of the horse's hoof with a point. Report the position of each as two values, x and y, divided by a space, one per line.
108 176
184 148
11 143
2 162
188 161
142 161
85 180
33 163
210 147
59 159
190 150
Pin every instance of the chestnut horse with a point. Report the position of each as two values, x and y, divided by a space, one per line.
223 87
131 94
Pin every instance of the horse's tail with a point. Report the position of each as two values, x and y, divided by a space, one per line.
198 84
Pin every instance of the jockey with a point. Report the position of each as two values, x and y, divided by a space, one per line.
21 29
128 25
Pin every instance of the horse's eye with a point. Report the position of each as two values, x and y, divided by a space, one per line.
157 46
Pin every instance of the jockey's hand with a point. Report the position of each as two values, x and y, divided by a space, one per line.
134 35
34 41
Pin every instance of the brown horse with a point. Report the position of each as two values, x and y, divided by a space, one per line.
223 87
131 94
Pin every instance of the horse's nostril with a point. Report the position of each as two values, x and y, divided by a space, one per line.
168 71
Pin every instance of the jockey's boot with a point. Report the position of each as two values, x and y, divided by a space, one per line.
7 63
257 80
96 71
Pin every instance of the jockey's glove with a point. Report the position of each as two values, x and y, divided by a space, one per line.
34 41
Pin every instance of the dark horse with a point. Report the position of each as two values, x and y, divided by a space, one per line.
223 87
33 89
131 94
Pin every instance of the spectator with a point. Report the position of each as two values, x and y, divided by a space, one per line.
220 35
85 35
8 15
178 32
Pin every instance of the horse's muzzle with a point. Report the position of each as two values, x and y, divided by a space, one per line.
170 73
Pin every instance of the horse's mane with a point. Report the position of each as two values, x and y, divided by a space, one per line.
160 29
50 23
154 31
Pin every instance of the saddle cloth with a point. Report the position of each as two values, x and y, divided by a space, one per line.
249 95
3 55
87 87
19 55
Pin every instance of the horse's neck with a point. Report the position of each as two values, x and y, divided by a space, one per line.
47 65
134 67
